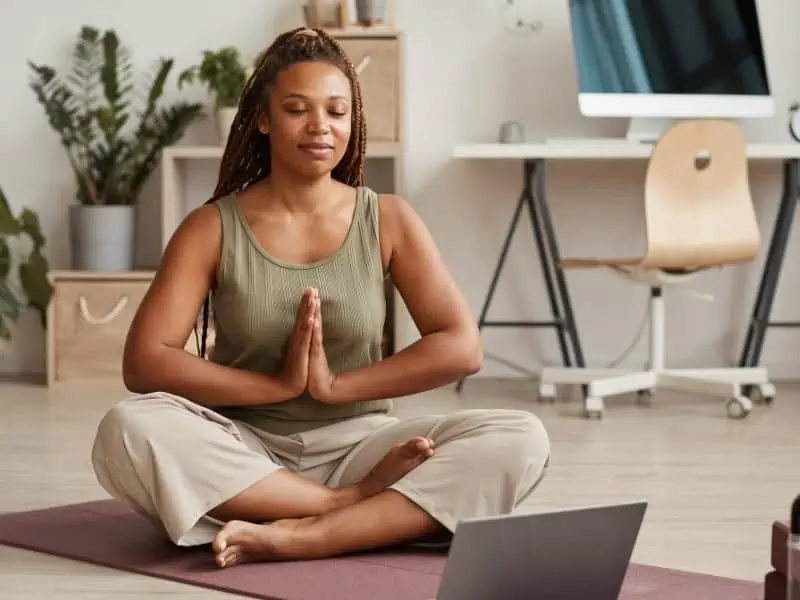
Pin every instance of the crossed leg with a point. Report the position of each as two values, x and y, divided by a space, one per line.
485 463
179 464
285 494
187 469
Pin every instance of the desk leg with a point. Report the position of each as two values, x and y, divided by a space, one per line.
533 198
535 173
759 320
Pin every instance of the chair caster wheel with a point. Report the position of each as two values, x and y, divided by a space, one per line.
762 394
593 407
739 407
547 393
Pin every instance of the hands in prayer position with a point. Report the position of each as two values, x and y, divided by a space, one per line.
305 366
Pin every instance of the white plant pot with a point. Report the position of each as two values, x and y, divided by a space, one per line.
371 12
103 238
225 117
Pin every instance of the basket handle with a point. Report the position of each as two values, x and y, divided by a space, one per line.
112 314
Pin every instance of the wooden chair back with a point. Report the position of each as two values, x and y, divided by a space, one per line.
698 206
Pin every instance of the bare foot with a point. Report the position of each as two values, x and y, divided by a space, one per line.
401 459
292 539
241 542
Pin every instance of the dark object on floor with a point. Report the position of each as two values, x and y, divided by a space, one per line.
106 533
775 586
780 547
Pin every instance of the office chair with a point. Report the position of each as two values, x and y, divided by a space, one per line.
699 214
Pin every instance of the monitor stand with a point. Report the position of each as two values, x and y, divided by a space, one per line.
644 130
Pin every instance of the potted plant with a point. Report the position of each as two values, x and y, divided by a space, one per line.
27 284
225 74
113 132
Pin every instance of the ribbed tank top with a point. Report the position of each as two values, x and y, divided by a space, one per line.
255 306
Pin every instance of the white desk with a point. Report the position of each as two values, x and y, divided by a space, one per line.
534 157
600 149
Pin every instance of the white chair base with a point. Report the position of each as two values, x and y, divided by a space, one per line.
602 383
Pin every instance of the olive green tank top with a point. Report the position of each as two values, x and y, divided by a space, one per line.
255 306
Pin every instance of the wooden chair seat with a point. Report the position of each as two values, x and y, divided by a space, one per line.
630 264
589 263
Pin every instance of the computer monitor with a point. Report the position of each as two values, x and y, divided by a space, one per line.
655 61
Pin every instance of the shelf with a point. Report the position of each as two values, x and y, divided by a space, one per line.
358 31
374 150
133 275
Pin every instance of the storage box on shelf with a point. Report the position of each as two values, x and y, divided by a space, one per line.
87 321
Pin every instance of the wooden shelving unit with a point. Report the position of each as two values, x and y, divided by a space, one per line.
357 31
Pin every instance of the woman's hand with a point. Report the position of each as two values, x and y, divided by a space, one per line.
321 380
296 362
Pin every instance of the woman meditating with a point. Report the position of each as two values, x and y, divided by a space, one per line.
279 444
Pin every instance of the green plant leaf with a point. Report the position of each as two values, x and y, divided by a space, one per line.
33 272
223 72
111 131
163 128
5 333
37 286
8 224
29 222
5 259
10 306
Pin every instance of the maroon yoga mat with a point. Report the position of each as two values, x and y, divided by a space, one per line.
106 533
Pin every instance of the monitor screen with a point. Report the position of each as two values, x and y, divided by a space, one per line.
686 47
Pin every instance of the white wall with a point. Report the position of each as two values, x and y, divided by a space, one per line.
498 76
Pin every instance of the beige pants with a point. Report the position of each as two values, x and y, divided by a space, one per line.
173 461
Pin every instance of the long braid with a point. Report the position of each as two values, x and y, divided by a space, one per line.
246 159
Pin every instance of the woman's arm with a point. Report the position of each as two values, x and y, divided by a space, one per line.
450 345
154 358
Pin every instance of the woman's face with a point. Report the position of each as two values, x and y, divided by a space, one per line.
309 120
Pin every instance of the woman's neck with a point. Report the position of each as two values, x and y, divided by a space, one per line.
298 195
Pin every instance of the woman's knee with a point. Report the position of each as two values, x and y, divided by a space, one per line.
121 450
118 422
533 432
126 427
519 434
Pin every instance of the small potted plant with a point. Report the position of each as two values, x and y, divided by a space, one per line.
113 132
26 284
225 74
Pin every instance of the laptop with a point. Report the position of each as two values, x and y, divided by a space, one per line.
567 554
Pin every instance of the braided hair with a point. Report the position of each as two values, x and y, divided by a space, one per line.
247 159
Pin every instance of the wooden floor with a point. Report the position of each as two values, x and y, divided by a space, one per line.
714 485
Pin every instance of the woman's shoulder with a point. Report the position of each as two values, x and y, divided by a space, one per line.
202 226
203 218
394 208
400 223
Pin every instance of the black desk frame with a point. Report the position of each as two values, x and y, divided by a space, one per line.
533 199
770 275
562 320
